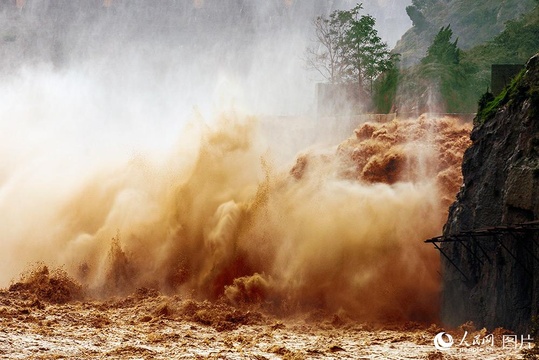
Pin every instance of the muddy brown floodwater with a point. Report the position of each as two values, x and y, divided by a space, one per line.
149 325
214 253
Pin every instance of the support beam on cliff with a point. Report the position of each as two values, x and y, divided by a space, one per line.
527 231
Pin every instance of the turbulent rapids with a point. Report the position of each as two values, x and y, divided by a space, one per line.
341 230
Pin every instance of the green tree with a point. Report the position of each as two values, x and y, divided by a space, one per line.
328 54
442 50
385 87
368 56
348 49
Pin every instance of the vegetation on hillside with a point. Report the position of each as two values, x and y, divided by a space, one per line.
441 82
473 23
385 89
449 79
488 105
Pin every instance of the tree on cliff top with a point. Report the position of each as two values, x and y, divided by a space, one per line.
348 49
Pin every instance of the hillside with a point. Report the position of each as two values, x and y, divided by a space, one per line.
473 23
454 80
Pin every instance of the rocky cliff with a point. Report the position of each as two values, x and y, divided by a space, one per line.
491 276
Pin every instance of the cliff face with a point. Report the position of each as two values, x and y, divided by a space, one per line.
493 280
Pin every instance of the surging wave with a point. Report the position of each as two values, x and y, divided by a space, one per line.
342 230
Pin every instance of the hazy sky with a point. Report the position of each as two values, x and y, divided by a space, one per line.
253 48
391 18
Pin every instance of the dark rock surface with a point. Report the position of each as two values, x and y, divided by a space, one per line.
494 281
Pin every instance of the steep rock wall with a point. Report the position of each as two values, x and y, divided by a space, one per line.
494 281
